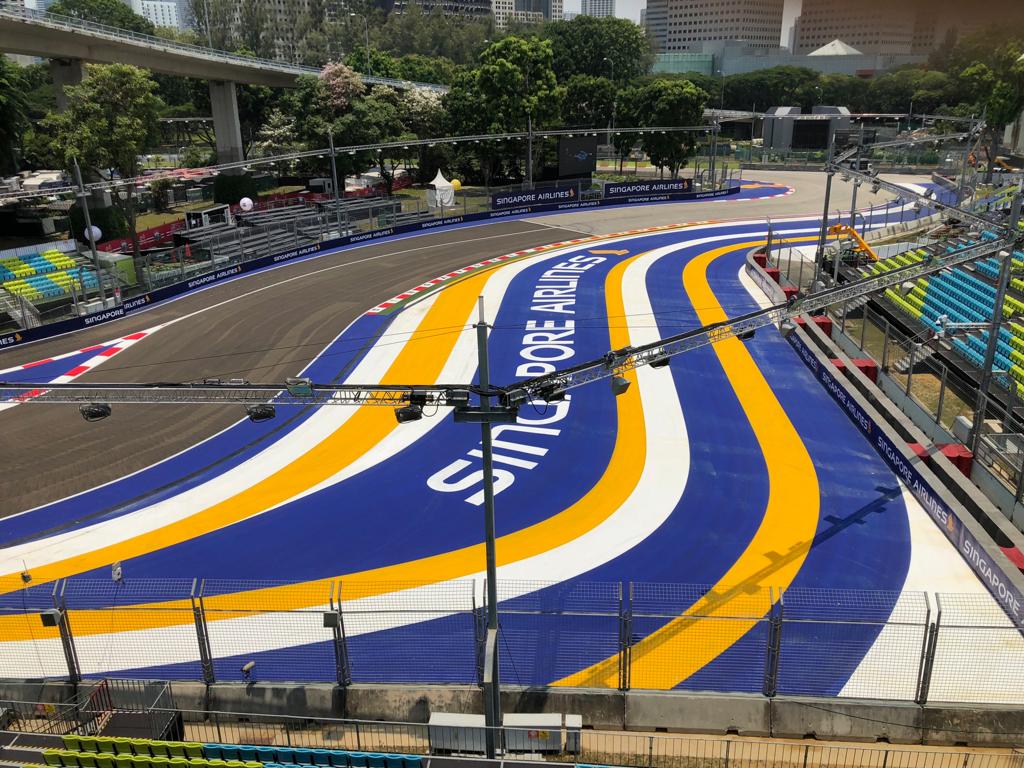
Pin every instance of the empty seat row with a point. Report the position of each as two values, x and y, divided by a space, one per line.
71 759
125 746
292 756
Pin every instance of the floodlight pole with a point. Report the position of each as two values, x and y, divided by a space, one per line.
819 257
88 233
492 687
334 180
993 333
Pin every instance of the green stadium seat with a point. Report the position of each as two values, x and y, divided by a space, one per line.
87 759
89 744
68 758
123 746
104 760
72 742
193 749
159 749
51 757
123 761
141 761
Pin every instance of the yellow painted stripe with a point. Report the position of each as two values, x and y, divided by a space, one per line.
774 555
615 485
421 359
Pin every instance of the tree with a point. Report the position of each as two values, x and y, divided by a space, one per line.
214 20
253 28
111 12
610 47
111 118
276 136
14 110
773 87
518 86
427 69
337 87
669 103
160 190
589 101
376 119
380 63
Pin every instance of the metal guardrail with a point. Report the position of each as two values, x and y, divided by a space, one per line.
11 10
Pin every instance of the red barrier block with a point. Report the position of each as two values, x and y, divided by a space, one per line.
825 323
773 273
919 450
867 366
839 364
959 455
761 260
790 292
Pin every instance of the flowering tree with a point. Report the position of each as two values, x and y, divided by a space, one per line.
338 87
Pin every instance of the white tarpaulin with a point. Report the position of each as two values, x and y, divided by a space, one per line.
440 193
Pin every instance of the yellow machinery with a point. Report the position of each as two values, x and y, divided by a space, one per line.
859 246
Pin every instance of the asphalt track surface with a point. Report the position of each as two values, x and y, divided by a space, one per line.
731 470
258 334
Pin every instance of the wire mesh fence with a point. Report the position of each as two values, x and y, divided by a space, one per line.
903 646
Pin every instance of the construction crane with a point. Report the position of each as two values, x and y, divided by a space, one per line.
859 245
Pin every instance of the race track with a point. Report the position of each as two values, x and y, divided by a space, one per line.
730 472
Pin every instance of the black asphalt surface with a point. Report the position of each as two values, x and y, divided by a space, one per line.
48 452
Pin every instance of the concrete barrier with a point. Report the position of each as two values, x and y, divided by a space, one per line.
680 712
846 719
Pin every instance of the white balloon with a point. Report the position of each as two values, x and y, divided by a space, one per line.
245 203
93 233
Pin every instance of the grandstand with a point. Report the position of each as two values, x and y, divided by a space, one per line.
43 272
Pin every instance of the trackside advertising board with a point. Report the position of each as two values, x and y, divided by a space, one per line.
534 197
639 188
138 303
991 574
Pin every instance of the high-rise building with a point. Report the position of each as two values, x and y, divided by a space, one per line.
685 25
529 11
597 8
903 28
162 13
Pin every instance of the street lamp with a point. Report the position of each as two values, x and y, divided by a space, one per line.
611 127
366 29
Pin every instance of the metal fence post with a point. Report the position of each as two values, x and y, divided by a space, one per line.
928 655
202 636
910 366
842 320
625 631
341 662
773 645
67 640
885 347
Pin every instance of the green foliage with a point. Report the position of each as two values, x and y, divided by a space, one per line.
159 190
111 12
376 62
775 87
112 222
230 188
14 110
668 103
427 69
609 47
197 157
516 80
589 101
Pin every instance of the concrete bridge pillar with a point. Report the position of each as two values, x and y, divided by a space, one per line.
65 72
226 125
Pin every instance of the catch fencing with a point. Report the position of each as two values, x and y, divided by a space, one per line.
900 646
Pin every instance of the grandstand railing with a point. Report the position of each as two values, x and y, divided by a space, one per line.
569 745
796 642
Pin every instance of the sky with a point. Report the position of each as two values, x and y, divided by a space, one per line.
630 9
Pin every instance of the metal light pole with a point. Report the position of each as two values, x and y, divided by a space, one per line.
963 165
492 696
366 29
88 232
611 127
334 180
993 334
819 256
